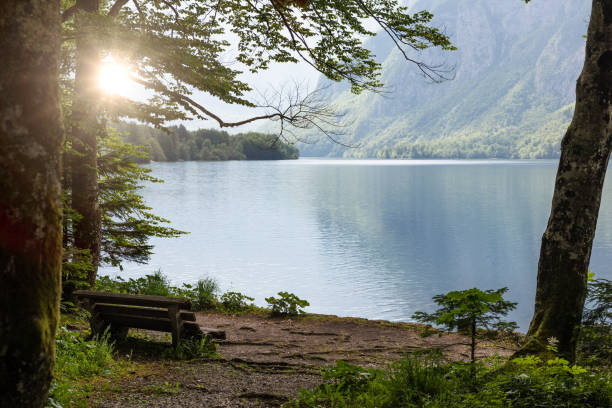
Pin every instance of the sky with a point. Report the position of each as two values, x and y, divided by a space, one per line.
265 82
277 76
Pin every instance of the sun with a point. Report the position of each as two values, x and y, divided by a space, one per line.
113 78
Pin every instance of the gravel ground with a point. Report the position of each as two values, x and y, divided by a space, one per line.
265 362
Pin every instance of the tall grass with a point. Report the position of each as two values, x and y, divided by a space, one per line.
77 359
428 382
203 294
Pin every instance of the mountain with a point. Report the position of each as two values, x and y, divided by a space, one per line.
512 95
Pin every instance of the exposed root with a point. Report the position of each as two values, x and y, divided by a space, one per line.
263 396
303 333
245 343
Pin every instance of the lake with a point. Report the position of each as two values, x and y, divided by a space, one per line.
366 238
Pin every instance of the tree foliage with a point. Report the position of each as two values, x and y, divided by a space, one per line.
177 143
127 223
174 47
595 343
469 310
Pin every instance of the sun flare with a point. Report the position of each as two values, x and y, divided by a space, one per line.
114 78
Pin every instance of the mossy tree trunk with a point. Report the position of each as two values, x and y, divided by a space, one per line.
85 130
585 152
30 201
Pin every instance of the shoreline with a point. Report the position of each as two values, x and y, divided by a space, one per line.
264 361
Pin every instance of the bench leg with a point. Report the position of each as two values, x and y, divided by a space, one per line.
173 314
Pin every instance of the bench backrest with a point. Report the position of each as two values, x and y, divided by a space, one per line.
135 300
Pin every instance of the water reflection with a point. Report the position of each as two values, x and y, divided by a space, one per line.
360 238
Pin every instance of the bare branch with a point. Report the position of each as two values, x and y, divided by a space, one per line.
296 37
436 73
287 108
69 12
174 10
139 9
180 97
114 10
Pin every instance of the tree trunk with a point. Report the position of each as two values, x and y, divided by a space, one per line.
567 242
473 343
30 200
84 133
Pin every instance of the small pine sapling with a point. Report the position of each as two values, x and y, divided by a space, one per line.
471 308
595 344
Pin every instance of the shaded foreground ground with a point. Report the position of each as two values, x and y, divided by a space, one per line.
265 362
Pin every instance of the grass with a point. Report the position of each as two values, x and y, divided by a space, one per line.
163 389
428 381
86 367
77 361
204 294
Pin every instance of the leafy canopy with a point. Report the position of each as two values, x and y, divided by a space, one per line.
173 47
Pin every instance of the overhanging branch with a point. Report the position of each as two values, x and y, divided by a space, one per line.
114 10
69 12
307 112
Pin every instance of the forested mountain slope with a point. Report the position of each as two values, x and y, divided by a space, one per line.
512 96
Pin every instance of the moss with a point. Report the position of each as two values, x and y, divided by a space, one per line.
30 214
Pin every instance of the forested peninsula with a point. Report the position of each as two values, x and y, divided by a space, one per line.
180 144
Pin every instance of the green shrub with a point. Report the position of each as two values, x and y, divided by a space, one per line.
156 284
595 342
189 349
528 382
77 359
427 382
345 385
287 304
412 380
235 302
203 294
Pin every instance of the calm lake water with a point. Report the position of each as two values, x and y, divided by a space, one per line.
374 239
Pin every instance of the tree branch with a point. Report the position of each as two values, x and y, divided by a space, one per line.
69 13
114 10
302 113
434 72
181 97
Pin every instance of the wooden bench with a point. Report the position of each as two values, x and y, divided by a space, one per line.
160 313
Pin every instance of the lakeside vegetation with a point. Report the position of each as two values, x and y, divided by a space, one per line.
180 144
424 378
70 203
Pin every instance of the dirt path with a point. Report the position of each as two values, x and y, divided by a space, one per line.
265 362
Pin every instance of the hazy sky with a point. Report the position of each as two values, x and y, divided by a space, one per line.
267 81
277 76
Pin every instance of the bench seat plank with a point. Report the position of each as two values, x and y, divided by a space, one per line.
136 300
140 311
139 322
159 313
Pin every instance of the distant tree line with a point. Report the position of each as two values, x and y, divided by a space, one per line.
180 144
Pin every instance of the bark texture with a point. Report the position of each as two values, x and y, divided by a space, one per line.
30 206
585 151
84 134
